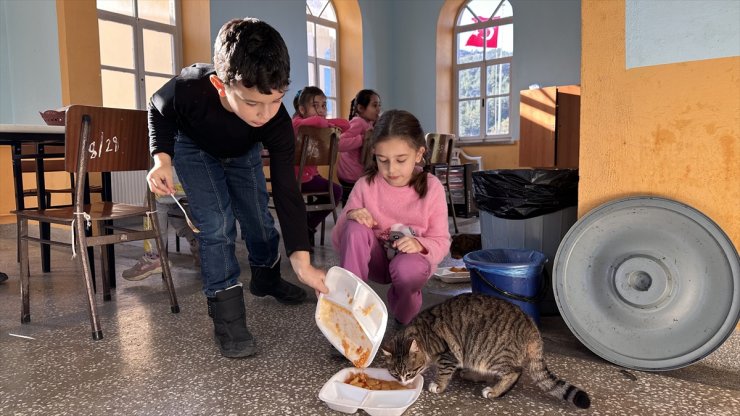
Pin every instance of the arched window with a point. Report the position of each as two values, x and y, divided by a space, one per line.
321 22
484 46
139 49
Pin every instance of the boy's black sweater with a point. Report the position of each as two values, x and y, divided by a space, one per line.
189 103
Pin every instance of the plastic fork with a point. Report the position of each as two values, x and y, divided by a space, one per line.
187 218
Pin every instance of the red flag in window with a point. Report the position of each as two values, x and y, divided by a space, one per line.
489 34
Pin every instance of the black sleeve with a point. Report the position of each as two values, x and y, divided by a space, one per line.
279 140
163 119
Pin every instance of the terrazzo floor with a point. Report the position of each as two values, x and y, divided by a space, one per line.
152 362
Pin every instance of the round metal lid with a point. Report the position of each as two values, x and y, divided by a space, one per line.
648 283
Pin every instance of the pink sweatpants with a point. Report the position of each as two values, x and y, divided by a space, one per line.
364 255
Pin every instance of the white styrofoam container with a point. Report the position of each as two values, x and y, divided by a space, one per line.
356 335
347 398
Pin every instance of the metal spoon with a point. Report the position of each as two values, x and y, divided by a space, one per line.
187 219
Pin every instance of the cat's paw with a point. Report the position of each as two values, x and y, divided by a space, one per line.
435 388
488 393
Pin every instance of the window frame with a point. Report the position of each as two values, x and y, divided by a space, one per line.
483 96
139 25
317 62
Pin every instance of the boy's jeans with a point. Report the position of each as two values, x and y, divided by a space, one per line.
221 191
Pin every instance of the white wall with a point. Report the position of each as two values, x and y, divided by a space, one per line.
29 60
680 30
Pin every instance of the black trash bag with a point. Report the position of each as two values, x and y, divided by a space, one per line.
525 193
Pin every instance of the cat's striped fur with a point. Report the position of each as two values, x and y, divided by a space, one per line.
486 338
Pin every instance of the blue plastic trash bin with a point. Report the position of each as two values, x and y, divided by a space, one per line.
514 275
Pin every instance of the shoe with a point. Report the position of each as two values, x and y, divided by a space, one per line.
229 316
267 282
146 266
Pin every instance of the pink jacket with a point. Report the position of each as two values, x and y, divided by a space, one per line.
401 205
349 168
316 121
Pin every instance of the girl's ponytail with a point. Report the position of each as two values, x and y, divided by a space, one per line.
352 108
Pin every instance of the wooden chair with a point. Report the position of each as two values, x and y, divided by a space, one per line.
98 139
51 157
440 147
318 147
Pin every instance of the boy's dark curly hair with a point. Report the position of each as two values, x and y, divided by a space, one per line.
252 52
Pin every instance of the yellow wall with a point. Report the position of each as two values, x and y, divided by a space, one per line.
668 130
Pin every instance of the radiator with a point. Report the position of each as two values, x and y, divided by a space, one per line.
129 187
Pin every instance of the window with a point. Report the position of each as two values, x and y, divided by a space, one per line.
321 22
139 49
484 46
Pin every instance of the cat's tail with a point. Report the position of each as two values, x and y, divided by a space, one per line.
549 382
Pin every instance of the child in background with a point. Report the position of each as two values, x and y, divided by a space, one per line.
364 111
310 110
396 194
150 262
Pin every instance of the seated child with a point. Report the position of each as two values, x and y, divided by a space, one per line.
394 227
310 110
364 111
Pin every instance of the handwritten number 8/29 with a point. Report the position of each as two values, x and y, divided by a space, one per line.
105 146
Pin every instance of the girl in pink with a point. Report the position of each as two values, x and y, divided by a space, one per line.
395 198
310 110
364 111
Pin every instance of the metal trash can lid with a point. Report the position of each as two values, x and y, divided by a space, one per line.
648 283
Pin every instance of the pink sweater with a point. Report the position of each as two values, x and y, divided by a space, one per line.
401 205
316 121
349 168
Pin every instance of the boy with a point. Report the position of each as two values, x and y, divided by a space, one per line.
211 121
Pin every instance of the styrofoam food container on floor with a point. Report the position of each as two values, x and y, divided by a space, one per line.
347 398
446 275
356 327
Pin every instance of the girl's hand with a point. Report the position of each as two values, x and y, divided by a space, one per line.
362 216
159 178
408 245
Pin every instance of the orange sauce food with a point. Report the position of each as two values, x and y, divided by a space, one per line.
364 381
355 344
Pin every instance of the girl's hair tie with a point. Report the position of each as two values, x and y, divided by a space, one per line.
298 94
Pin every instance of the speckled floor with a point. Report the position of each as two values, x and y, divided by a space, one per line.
152 362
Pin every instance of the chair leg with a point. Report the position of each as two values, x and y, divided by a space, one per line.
323 226
23 252
104 264
452 207
80 242
164 260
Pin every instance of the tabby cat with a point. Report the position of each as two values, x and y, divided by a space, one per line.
463 244
487 338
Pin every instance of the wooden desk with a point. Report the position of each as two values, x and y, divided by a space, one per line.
16 135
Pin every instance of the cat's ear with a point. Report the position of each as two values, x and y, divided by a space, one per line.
414 347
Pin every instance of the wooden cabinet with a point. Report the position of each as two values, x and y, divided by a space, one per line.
549 127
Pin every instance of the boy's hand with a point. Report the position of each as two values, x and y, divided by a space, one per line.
362 216
307 274
159 178
408 245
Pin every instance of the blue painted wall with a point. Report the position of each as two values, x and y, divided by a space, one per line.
29 60
399 43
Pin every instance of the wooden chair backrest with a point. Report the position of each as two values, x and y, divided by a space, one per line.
439 147
117 139
317 146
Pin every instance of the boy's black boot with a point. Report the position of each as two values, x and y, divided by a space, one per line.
230 323
266 281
